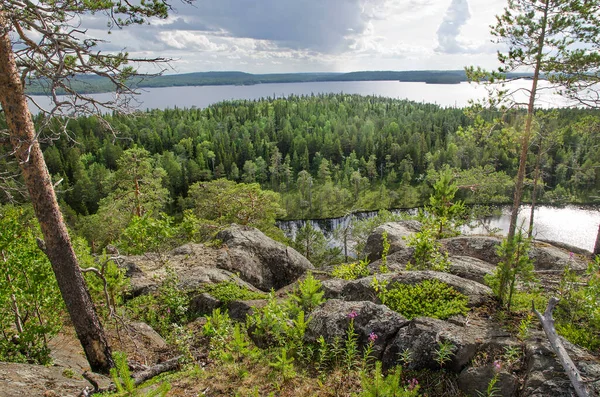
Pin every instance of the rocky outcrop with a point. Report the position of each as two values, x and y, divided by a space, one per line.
545 375
423 336
396 237
470 268
545 256
258 259
19 380
194 265
362 290
480 247
476 379
378 322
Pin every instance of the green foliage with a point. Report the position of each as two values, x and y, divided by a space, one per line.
577 316
284 365
226 202
376 385
30 302
515 265
105 296
121 377
429 298
167 307
311 243
384 253
448 213
428 253
229 291
148 234
443 354
351 271
276 325
308 294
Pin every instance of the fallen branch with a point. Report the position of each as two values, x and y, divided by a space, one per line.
138 378
558 347
169 365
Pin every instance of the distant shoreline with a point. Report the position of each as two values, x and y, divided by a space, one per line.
86 84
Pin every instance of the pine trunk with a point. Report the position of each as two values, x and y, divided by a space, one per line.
527 133
58 246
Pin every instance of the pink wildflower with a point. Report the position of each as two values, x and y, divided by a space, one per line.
413 384
352 314
372 337
571 255
497 365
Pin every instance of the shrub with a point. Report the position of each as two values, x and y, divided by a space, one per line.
351 271
515 265
228 291
429 298
428 254
30 302
308 295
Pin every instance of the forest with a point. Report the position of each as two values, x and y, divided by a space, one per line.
316 156
92 84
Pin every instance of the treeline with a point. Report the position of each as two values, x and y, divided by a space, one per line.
92 84
325 155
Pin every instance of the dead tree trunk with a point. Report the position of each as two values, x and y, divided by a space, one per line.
58 246
570 368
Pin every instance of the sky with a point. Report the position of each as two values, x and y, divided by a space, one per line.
282 36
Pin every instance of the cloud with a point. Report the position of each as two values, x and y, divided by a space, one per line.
456 16
319 25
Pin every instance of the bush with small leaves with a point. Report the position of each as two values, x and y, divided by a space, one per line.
429 298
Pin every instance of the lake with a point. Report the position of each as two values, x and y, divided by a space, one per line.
446 95
573 225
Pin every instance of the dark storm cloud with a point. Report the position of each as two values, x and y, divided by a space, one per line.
321 25
456 16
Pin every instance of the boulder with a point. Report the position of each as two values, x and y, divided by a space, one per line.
239 310
546 377
18 380
258 259
203 304
476 379
331 320
362 290
470 268
396 261
396 233
480 247
545 256
423 335
549 257
194 265
148 336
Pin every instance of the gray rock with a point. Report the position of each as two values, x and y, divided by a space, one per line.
549 257
396 233
470 268
331 320
258 259
396 261
239 310
476 379
544 255
149 336
546 377
423 335
362 290
480 247
194 265
18 380
203 304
